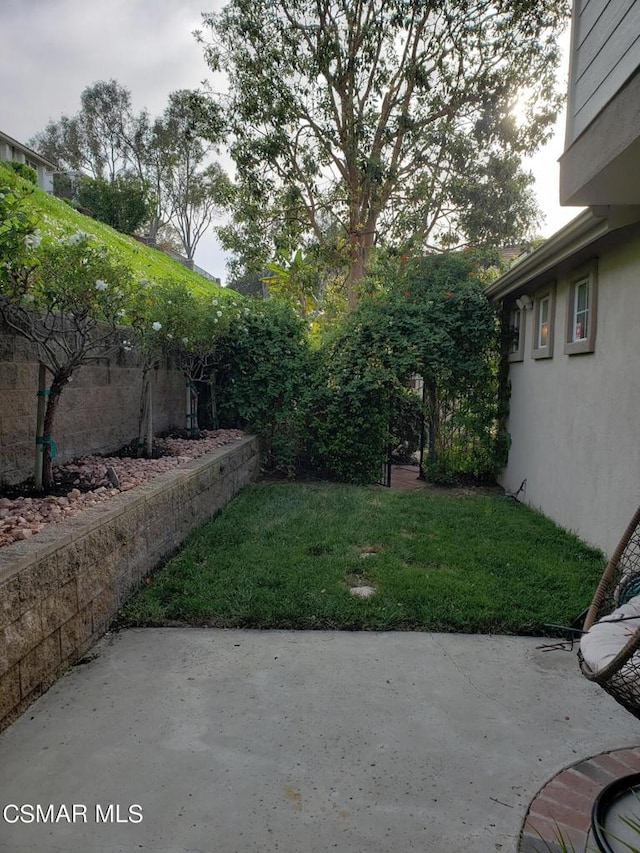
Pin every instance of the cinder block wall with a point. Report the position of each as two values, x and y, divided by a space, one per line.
60 590
98 411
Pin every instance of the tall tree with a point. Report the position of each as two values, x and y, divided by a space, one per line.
170 156
104 138
385 117
194 188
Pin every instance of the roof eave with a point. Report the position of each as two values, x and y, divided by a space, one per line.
580 232
26 149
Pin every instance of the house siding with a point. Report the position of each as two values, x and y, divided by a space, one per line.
11 149
574 419
605 49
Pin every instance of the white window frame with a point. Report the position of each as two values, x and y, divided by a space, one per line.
584 275
516 350
547 295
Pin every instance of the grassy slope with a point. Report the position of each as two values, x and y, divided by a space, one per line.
285 555
59 219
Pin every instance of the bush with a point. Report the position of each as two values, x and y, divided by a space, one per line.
19 236
429 317
65 296
77 206
26 172
406 424
124 203
336 411
263 379
355 388
347 430
65 186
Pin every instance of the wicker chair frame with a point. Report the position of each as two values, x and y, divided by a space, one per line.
621 677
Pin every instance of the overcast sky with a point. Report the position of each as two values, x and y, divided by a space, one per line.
50 50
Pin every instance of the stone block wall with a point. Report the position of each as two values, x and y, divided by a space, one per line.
60 590
98 411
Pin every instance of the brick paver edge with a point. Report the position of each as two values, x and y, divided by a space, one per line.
563 804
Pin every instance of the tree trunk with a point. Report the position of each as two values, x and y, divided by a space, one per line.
214 401
192 409
145 421
152 230
432 403
360 244
42 402
149 436
356 273
53 399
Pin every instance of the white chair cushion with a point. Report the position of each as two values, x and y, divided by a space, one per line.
610 635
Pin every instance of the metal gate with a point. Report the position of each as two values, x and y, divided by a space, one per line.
385 474
385 470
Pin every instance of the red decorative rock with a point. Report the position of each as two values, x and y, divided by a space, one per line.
22 517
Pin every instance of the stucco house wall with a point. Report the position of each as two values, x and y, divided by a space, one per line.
575 419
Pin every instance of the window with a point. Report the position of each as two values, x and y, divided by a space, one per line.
516 326
580 323
581 311
543 322
543 316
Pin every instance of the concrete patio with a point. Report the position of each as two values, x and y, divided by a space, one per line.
242 741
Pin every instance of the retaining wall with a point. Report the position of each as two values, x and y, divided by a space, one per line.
98 411
60 591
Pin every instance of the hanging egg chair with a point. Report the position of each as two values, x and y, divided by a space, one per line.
610 645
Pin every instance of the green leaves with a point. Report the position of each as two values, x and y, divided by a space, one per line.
429 317
389 119
296 280
328 406
19 237
147 173
81 279
264 377
193 189
125 202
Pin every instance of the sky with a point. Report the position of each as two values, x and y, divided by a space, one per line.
52 49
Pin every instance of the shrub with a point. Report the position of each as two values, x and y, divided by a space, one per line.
406 423
428 317
355 385
26 172
19 236
263 379
347 429
124 203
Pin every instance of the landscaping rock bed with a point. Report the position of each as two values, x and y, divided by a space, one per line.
24 516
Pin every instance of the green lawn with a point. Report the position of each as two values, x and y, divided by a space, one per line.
285 556
58 219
